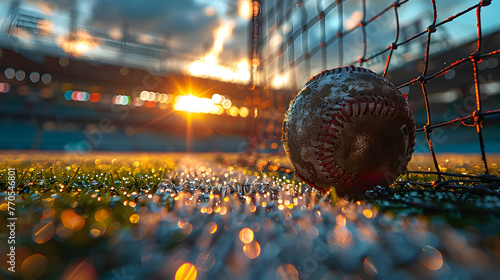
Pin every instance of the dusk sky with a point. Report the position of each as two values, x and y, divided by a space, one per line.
190 27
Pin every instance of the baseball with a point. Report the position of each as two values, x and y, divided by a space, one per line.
349 129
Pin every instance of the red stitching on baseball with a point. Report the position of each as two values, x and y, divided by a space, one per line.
327 164
324 157
336 121
332 170
341 117
381 108
366 107
374 107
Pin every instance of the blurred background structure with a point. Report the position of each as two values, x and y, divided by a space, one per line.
219 75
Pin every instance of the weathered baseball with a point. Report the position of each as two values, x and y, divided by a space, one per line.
350 129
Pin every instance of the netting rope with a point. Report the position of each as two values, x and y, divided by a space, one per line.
280 12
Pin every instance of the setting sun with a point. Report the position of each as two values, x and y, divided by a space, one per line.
189 103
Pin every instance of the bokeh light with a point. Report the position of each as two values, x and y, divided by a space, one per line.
81 269
369 267
97 230
43 231
246 235
252 249
244 112
367 213
212 227
34 267
34 77
226 104
217 98
233 111
205 261
134 218
286 272
9 73
431 258
187 271
72 220
102 214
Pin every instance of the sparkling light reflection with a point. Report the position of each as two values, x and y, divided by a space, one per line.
189 207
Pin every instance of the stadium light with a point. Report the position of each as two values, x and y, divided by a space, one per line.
245 9
77 43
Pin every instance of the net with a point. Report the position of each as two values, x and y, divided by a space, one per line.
293 40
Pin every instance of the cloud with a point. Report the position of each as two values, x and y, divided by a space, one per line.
151 16
237 46
184 23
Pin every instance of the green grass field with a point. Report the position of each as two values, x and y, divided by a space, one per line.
240 216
